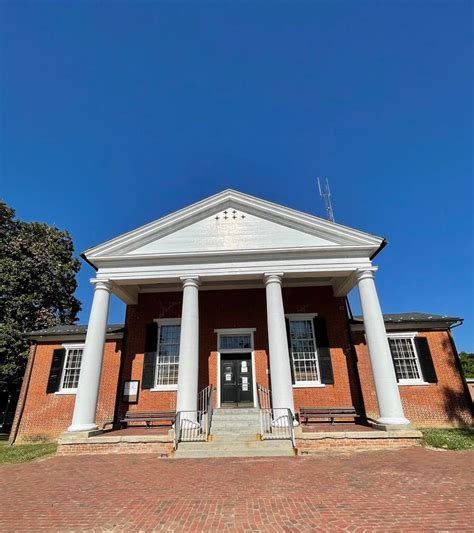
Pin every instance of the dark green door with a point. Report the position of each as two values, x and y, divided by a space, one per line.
236 379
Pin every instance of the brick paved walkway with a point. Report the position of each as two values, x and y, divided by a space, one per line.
413 489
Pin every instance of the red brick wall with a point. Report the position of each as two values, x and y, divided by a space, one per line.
149 307
444 403
345 391
46 416
242 309
436 404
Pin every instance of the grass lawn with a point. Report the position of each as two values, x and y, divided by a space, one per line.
24 452
449 439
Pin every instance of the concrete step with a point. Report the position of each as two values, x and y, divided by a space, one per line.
235 446
234 434
235 452
237 427
244 453
235 419
260 450
237 410
248 434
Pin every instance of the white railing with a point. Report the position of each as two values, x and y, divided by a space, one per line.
264 397
277 424
192 426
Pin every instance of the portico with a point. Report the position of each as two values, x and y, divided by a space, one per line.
234 242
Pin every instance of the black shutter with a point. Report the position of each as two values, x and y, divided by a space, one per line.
324 355
426 361
287 322
149 361
56 370
393 359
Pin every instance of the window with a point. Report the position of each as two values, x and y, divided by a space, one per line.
303 351
235 342
168 355
72 368
405 359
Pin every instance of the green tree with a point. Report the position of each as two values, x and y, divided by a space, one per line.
37 284
467 363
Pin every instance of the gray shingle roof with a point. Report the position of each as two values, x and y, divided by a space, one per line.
414 316
71 329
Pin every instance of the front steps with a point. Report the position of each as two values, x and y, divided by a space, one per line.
234 434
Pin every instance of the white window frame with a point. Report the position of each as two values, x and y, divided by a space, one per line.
310 317
68 347
163 322
411 337
251 350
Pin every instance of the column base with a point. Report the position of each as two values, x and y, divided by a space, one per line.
391 424
72 436
82 427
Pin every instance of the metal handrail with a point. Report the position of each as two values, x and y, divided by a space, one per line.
195 425
177 429
277 424
210 409
264 397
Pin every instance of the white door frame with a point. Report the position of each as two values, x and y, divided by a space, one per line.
236 331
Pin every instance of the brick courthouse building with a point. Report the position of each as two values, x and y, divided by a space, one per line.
247 297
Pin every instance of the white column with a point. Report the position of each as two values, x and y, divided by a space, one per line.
386 387
189 347
91 366
280 371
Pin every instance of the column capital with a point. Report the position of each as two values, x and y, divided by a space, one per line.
365 274
190 281
273 277
103 284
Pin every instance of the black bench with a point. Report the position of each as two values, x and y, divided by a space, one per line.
147 416
330 413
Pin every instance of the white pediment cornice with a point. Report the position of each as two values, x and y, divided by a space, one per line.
233 223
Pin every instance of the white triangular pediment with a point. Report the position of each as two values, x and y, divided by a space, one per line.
231 230
232 222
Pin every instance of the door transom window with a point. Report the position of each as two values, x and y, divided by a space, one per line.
235 342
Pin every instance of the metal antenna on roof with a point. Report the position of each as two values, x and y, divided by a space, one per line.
325 193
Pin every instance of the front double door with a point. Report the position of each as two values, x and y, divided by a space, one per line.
236 380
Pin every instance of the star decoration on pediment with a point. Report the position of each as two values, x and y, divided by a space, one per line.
229 214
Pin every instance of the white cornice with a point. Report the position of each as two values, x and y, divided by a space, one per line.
307 251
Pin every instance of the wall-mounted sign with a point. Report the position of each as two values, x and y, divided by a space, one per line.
130 391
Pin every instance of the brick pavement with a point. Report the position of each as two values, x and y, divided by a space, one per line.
407 490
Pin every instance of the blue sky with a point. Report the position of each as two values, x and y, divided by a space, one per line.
114 114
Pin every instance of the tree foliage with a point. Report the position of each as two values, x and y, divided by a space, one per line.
37 283
467 362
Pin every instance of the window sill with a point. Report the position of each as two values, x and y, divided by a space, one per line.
161 388
308 385
66 392
413 383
